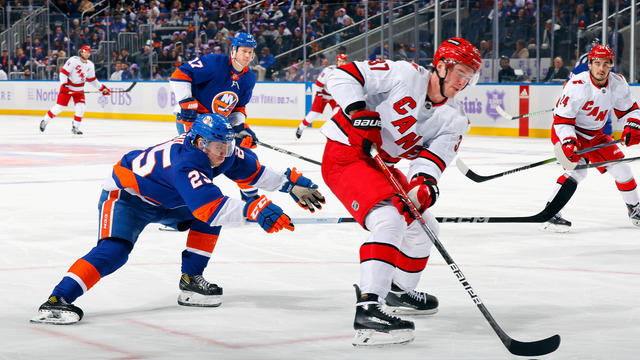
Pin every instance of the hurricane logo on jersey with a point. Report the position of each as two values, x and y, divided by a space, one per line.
224 102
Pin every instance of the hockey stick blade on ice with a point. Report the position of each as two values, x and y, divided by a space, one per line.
466 171
558 202
508 116
115 91
533 348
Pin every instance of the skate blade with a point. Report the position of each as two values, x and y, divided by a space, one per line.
377 338
55 317
190 298
410 311
555 228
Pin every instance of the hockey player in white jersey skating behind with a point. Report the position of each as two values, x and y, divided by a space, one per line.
73 75
578 120
322 98
407 112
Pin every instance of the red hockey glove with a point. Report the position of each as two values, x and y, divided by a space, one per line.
423 193
366 131
267 214
105 90
245 137
569 149
631 132
303 190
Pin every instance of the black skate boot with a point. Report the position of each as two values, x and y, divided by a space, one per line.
76 130
411 302
299 130
557 224
196 291
43 125
375 327
58 311
634 213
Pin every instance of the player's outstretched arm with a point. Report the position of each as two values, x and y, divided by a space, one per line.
303 190
268 215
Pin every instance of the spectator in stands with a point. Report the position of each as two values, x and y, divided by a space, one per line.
521 52
5 61
3 74
86 7
265 63
133 73
293 74
486 52
157 76
422 59
20 60
211 30
557 71
117 75
217 50
375 55
506 74
125 57
222 29
348 31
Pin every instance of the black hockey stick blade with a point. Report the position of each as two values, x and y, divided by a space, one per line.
534 348
115 91
130 87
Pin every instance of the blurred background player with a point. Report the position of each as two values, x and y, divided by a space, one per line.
222 84
75 72
173 184
322 97
578 120
406 112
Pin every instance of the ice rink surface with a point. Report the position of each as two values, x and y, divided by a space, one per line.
289 295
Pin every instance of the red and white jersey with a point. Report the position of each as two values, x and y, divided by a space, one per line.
413 128
321 81
584 107
75 73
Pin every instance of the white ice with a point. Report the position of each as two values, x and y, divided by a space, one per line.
289 295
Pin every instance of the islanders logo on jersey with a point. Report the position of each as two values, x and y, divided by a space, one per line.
224 102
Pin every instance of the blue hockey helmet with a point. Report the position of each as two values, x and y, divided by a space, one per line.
215 131
243 39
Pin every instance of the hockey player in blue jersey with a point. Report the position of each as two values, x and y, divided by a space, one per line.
218 83
173 184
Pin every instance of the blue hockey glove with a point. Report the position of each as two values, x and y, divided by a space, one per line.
302 190
245 137
267 214
188 109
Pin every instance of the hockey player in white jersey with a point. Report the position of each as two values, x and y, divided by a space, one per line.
75 72
578 119
321 98
407 112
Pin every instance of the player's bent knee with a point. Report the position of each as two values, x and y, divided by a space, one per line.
621 172
109 255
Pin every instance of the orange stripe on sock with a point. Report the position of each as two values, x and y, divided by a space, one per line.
85 271
105 216
201 241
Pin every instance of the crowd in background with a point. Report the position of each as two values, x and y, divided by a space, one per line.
181 30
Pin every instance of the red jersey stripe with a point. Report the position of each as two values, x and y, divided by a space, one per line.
426 154
390 254
557 119
620 114
353 70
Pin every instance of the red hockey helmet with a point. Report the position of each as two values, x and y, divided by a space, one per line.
601 52
342 57
85 48
458 50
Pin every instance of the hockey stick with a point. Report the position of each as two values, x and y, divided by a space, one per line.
552 208
508 116
278 149
534 348
604 163
114 91
466 171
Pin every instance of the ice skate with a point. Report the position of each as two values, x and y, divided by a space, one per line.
299 130
411 302
43 125
196 291
634 213
557 224
75 130
57 311
375 327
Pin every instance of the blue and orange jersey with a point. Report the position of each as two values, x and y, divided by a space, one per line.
176 173
216 85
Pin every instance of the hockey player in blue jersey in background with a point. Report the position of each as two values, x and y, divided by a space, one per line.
219 83
173 184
